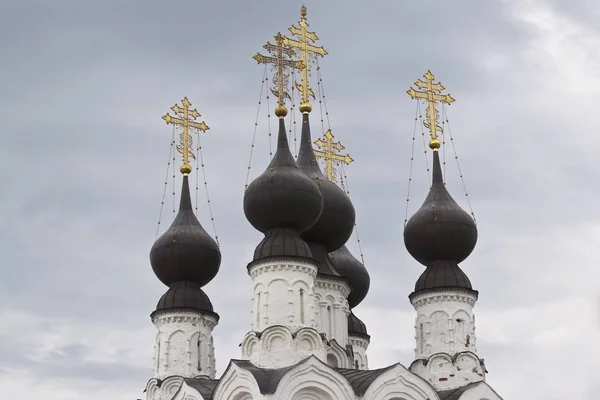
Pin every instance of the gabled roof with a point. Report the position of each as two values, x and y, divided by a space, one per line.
204 386
360 380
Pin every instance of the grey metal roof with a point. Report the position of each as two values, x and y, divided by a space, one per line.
360 380
204 386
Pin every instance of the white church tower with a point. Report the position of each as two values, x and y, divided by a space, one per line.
440 235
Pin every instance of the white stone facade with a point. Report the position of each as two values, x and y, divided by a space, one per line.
332 308
184 344
283 294
445 322
359 348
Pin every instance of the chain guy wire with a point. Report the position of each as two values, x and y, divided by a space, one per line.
424 142
269 115
412 159
262 86
340 166
445 117
162 200
345 187
201 157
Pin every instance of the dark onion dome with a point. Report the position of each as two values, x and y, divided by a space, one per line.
440 235
282 242
442 274
356 327
354 272
185 252
185 295
336 223
282 197
321 256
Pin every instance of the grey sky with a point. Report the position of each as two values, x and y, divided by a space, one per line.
83 86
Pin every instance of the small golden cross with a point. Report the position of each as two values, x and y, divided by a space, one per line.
306 48
279 51
431 94
329 155
186 120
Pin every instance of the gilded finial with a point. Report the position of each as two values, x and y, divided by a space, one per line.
431 94
303 44
279 51
329 154
185 117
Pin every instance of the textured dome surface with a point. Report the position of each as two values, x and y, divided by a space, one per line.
354 272
356 327
282 197
334 226
185 295
283 242
442 274
440 229
321 256
185 252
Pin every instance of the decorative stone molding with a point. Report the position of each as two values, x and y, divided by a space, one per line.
446 372
277 346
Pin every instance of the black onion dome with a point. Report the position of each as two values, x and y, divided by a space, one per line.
442 274
321 256
185 295
356 327
440 229
335 225
354 272
283 242
185 252
282 197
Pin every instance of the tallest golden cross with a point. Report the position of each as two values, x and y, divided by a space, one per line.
431 94
306 49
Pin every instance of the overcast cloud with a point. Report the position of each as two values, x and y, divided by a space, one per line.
83 85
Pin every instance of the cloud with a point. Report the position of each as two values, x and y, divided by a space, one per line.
83 165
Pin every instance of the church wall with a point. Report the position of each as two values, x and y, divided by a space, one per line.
184 344
445 323
283 294
359 347
332 308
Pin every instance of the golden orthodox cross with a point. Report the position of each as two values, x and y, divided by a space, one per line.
306 48
329 154
279 52
431 94
186 120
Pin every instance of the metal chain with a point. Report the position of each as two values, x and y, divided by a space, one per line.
201 157
262 86
162 200
412 159
445 117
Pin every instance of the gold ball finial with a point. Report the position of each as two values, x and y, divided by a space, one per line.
434 144
305 108
185 169
280 111
303 10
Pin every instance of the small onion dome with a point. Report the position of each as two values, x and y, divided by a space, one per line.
284 242
356 327
185 252
439 274
321 257
354 272
282 197
336 223
185 295
440 229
